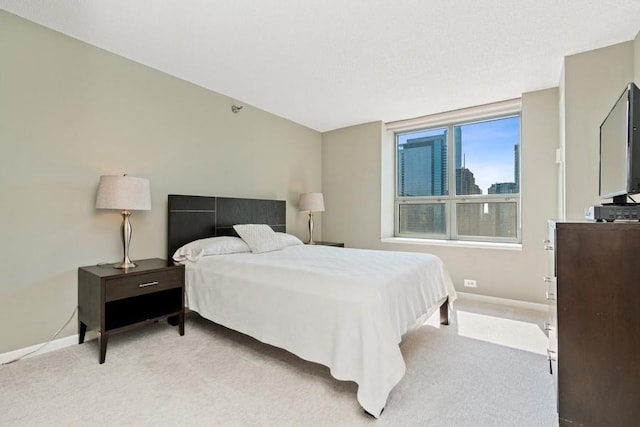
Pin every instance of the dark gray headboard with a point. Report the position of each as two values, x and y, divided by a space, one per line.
196 217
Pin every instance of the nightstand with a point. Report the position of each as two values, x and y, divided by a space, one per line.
339 245
111 300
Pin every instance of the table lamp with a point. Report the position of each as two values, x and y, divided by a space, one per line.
125 193
311 202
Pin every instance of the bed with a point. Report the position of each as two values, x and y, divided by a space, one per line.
344 308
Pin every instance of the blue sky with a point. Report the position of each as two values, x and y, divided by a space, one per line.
488 150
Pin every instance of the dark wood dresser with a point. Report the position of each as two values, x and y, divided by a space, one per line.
597 267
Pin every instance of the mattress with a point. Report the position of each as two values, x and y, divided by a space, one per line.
344 308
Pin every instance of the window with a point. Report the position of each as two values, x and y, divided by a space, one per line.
459 181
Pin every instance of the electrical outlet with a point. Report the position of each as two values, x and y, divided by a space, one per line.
469 283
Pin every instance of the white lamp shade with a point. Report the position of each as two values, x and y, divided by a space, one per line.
123 192
311 202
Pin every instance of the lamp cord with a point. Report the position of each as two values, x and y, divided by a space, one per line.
75 310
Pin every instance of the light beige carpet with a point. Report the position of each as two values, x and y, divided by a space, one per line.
473 373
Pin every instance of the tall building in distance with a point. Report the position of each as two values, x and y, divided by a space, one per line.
466 182
422 166
423 171
516 166
503 188
457 142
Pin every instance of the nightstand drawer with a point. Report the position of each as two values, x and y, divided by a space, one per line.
130 286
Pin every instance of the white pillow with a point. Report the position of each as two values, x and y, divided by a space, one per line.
259 237
289 239
195 250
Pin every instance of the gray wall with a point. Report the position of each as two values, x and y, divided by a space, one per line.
355 168
69 113
351 179
593 81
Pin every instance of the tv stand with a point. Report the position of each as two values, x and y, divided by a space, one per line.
620 201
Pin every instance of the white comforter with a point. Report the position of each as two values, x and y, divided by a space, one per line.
344 308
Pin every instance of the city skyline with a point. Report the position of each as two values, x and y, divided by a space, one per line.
487 147
488 151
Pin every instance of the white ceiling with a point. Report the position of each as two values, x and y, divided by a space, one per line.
328 64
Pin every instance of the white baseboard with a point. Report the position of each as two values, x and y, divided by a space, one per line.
52 346
504 301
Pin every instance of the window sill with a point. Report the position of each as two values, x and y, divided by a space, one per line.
453 243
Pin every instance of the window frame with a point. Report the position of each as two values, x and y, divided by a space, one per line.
451 201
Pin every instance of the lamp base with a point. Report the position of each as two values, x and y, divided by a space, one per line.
311 242
124 265
126 231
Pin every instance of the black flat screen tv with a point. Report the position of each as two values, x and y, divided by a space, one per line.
620 149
